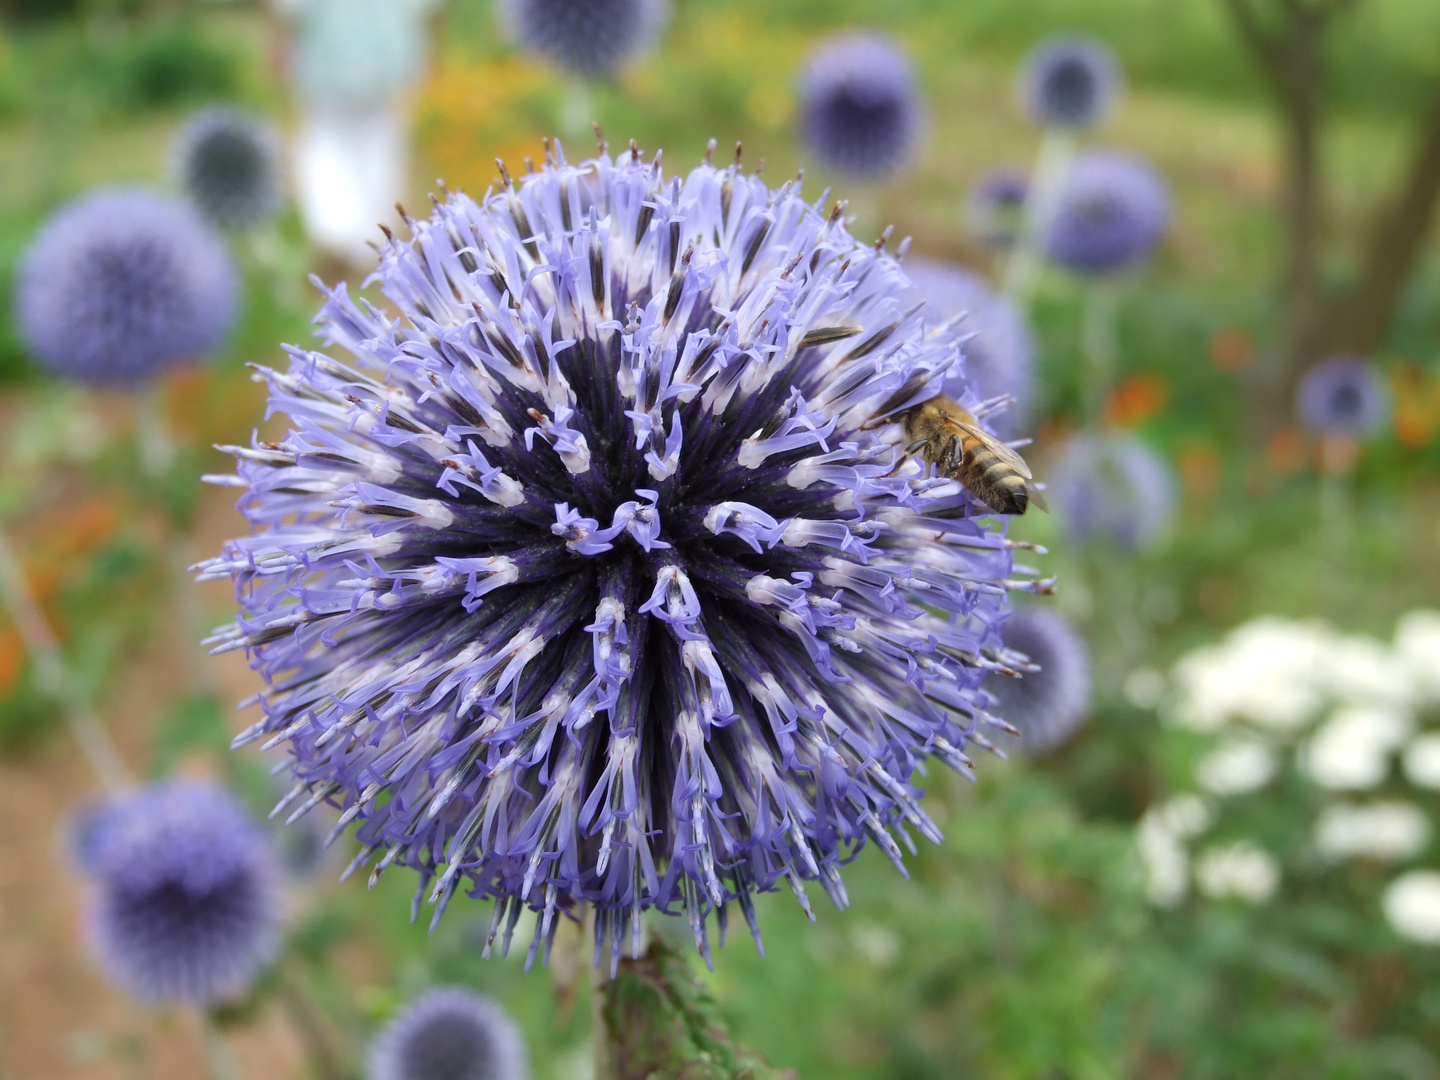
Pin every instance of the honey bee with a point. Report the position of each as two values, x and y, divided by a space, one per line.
944 434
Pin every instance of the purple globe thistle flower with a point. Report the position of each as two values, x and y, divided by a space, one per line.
995 208
1069 82
1050 699
999 354
860 110
122 284
1110 214
1115 488
449 1033
589 575
1342 395
589 37
228 164
187 905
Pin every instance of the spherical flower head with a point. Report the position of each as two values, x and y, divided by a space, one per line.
1113 488
1111 212
1051 698
187 906
1069 82
860 110
999 353
995 208
228 165
449 1033
1342 395
588 37
589 573
123 284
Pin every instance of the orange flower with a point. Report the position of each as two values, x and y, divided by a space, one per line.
1231 348
1285 453
1417 405
1137 399
1200 469
12 659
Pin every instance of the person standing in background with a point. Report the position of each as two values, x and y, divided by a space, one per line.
353 64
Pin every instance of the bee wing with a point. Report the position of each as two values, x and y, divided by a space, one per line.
995 446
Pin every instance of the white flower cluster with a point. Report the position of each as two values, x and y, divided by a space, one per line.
1344 710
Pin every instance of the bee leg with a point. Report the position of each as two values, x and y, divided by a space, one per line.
951 456
909 452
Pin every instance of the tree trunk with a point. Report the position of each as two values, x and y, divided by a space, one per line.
1394 248
1302 314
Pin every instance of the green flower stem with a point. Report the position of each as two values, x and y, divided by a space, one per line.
1022 269
223 1065
1099 345
55 678
657 1021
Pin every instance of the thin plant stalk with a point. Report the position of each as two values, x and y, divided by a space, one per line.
157 448
1022 269
1336 512
218 1054
577 109
55 679
1099 345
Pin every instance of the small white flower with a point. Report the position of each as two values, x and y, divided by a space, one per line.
1352 751
1144 688
1163 855
1422 760
1383 830
1187 816
1417 643
1362 669
1412 906
1269 671
1242 870
1236 766
878 944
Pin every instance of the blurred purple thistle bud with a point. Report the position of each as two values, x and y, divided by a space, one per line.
187 902
1342 395
449 1033
1069 82
122 284
1111 211
1049 701
860 111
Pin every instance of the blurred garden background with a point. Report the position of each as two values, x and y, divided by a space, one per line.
1174 890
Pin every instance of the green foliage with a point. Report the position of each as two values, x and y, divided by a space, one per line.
167 64
28 716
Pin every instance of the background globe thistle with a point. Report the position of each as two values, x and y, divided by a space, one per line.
588 37
589 577
1069 82
1050 699
449 1033
228 164
860 110
999 353
187 905
1342 395
122 284
995 208
1111 212
1112 487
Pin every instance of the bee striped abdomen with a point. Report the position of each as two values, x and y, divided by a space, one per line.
947 436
